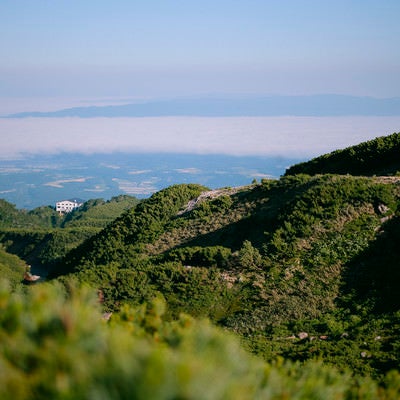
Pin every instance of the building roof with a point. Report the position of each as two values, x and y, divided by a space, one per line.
76 200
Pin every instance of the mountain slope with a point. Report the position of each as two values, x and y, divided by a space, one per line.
380 156
137 225
264 261
42 236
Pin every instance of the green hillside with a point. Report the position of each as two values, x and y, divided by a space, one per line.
288 288
380 156
97 213
12 268
42 236
11 217
266 261
93 213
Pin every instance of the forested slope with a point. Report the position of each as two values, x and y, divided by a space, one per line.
42 236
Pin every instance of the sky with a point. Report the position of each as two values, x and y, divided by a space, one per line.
65 53
101 50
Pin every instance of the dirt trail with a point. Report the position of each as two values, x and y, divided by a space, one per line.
387 179
210 195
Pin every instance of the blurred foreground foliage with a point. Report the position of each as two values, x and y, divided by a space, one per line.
55 344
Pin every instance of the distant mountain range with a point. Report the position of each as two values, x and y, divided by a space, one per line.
313 105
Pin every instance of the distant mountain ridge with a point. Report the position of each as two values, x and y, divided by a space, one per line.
312 105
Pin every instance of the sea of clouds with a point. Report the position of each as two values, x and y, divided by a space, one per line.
287 136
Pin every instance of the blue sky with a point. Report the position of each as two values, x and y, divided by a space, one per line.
150 49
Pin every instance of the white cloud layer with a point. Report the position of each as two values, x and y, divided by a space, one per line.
287 136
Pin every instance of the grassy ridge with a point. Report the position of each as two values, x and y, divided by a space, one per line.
380 156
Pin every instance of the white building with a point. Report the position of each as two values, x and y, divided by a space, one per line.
66 206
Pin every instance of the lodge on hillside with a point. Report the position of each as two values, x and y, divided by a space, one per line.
66 206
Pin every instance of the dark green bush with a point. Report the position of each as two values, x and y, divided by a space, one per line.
211 256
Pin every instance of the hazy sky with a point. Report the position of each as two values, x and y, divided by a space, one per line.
147 49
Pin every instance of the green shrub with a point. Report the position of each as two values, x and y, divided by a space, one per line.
210 256
54 344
